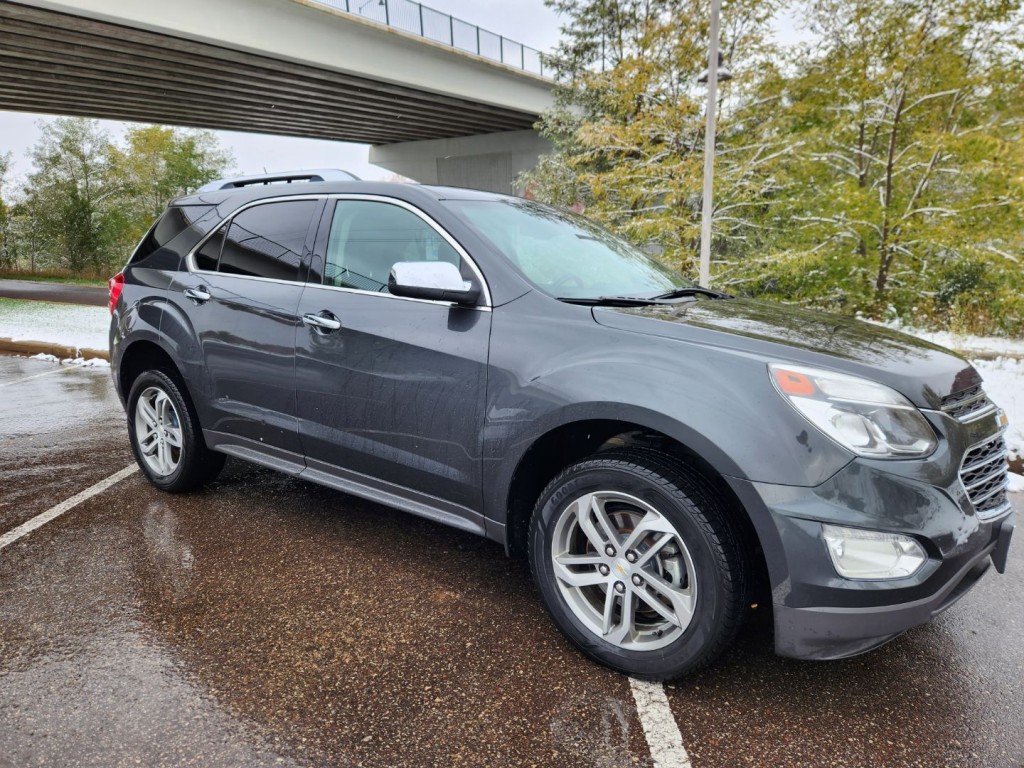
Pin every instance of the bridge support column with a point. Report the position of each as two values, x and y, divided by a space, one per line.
489 161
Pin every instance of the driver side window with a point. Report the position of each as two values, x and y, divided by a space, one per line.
368 237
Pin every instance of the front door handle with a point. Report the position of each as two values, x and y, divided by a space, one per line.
324 321
199 294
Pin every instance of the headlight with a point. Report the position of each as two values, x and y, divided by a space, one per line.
859 554
870 419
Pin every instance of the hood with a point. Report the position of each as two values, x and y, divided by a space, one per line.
923 372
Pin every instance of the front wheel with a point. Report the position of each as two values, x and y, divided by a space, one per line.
639 563
166 437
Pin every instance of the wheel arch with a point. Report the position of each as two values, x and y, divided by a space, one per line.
140 355
570 441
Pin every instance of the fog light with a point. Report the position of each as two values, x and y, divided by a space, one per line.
859 554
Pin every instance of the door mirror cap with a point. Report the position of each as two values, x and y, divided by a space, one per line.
434 280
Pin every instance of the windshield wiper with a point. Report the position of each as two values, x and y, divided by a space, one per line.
611 301
683 291
669 297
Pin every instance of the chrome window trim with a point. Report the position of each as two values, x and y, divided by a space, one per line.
190 263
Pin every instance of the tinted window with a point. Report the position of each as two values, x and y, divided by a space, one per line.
267 240
367 238
209 253
172 223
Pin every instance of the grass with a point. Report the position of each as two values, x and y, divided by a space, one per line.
53 277
15 304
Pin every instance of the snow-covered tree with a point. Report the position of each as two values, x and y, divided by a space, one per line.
906 192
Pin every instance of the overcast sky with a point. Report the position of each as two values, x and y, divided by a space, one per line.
525 21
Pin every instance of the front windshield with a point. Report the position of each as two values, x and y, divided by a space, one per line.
563 254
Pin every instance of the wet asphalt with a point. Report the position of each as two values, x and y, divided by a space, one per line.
268 621
67 293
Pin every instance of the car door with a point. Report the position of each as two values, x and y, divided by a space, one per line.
392 393
241 294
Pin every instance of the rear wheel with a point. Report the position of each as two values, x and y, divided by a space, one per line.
638 563
166 437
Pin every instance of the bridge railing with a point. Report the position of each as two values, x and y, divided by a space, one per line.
443 28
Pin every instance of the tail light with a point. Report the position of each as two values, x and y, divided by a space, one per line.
115 285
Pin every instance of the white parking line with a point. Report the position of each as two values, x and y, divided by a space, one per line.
62 369
54 512
659 724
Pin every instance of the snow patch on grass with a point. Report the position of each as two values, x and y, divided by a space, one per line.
51 323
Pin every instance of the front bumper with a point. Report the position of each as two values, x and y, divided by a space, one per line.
820 615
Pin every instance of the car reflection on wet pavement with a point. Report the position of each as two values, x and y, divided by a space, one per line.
268 621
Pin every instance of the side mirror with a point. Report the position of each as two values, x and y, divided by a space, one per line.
435 280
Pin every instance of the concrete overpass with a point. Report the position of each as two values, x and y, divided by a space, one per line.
291 67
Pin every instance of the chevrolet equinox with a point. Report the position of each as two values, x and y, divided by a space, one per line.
664 454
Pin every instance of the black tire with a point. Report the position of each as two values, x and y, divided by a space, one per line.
196 464
705 531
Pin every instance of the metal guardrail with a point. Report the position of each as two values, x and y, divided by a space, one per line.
419 19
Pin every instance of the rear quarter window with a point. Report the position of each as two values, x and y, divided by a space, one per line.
172 224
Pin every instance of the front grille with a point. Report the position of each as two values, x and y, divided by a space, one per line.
984 475
968 404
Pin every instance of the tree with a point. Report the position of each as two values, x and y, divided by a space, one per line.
158 163
7 250
908 186
90 200
70 197
878 169
628 125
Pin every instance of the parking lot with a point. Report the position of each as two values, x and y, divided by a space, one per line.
268 621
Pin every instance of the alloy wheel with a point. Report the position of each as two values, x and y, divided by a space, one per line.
624 570
158 431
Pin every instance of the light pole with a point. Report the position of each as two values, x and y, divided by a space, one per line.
715 72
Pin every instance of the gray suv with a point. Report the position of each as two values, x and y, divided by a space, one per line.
664 454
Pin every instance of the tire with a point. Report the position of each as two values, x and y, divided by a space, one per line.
166 437
654 615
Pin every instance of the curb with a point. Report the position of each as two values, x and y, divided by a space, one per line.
46 348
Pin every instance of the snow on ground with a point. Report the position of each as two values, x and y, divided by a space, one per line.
972 346
51 323
80 362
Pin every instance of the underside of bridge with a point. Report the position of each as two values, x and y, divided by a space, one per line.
112 67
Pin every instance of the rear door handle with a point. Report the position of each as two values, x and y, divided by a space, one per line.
324 321
199 294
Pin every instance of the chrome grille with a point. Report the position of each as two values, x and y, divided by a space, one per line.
984 475
968 404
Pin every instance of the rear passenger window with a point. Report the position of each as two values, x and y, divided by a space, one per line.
368 237
267 240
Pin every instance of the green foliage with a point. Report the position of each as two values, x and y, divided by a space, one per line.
879 169
89 200
158 164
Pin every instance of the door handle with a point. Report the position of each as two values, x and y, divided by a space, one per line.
324 321
199 294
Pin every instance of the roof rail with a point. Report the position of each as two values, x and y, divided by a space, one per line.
282 177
